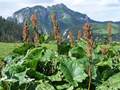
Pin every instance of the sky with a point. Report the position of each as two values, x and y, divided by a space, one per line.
100 10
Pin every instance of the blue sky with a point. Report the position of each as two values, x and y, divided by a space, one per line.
102 10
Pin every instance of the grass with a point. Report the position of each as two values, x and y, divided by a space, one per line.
7 48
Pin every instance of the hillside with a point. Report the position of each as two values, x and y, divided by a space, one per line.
68 19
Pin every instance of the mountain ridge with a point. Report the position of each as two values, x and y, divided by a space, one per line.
68 19
60 5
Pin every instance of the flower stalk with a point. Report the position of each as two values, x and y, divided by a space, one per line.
35 28
26 33
56 29
71 39
88 37
109 29
79 35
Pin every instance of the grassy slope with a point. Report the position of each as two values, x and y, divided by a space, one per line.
102 28
6 48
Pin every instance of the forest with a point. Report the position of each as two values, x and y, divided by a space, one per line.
10 30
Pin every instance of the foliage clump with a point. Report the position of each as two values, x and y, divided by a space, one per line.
78 65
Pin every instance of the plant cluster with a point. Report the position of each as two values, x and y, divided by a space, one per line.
56 29
26 31
82 65
43 68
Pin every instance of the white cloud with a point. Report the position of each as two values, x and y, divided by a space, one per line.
101 10
108 2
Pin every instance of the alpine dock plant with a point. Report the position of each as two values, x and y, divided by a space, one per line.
89 50
35 28
79 35
109 28
26 33
72 65
71 39
56 29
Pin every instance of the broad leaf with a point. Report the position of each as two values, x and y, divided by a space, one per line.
73 71
32 57
44 86
22 77
77 52
113 83
105 62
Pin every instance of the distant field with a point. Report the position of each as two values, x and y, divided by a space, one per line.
102 29
6 48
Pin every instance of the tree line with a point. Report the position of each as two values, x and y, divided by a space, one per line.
10 31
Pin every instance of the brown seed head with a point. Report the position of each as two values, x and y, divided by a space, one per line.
56 28
25 33
88 36
34 20
71 39
109 29
104 50
86 31
79 35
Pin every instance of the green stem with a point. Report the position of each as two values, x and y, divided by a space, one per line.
90 77
90 73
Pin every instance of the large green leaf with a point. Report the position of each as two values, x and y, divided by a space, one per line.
49 55
85 62
77 52
33 56
113 83
56 77
22 77
35 75
10 70
105 62
73 71
63 87
44 86
35 53
82 43
1 88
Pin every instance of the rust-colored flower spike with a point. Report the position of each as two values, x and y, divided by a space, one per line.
71 39
89 47
34 25
79 35
55 26
109 28
58 35
25 33
87 31
88 36
104 50
53 18
56 29
36 39
34 20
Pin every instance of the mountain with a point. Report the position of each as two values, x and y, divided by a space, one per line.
67 18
